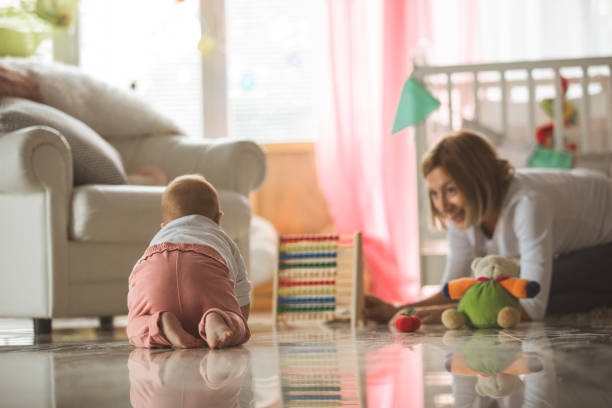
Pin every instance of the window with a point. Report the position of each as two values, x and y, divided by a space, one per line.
517 30
272 58
271 50
149 47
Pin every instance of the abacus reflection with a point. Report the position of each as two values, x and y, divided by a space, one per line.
320 369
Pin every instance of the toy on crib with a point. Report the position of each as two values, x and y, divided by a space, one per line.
544 133
490 299
320 277
496 360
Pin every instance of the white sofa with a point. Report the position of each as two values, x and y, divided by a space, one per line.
68 251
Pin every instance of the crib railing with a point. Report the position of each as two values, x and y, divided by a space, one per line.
431 241
422 73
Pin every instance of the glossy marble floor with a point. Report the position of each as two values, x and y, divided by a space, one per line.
553 364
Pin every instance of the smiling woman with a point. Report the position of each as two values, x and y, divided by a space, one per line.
444 196
467 180
554 221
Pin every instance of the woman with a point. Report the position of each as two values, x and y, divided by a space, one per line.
557 222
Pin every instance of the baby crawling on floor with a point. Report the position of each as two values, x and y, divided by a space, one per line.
190 287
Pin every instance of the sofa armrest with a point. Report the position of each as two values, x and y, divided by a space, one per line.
33 158
229 164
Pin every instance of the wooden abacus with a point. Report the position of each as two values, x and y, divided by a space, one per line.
320 277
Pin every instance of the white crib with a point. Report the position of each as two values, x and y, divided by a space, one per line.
502 101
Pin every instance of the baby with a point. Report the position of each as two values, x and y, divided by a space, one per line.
190 286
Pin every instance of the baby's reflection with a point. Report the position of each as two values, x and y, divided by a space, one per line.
186 378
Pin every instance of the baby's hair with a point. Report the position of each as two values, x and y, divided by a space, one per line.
477 170
189 195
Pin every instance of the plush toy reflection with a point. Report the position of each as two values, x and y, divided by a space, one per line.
496 360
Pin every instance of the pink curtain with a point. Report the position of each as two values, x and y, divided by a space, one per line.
367 175
395 375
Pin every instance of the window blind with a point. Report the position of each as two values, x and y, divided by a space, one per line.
147 47
272 57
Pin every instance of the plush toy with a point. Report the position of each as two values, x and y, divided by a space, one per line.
495 360
490 299
544 133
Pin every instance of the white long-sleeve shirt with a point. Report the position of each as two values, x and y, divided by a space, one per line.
544 213
198 229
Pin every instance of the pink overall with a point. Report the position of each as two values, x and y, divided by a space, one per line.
189 280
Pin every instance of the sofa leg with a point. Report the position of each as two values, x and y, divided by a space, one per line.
106 323
42 326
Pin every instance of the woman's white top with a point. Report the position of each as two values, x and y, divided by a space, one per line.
198 229
544 213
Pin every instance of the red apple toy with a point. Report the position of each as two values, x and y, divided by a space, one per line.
407 321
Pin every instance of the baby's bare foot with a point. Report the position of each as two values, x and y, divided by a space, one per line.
217 332
176 335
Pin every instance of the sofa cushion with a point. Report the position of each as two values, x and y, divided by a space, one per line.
112 112
94 159
132 214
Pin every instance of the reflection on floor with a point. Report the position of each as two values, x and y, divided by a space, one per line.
552 364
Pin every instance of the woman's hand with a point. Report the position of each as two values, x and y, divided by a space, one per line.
378 310
428 314
383 312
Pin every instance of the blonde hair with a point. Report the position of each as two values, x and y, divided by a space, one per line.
188 195
477 170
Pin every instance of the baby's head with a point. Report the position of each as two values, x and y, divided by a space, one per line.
189 195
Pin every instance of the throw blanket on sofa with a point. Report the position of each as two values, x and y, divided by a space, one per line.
111 112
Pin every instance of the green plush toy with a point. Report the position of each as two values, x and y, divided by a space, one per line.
490 299
496 360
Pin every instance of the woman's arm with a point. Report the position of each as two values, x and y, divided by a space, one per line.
524 316
434 300
458 261
429 309
533 230
461 253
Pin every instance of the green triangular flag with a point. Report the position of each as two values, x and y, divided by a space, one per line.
551 159
414 106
